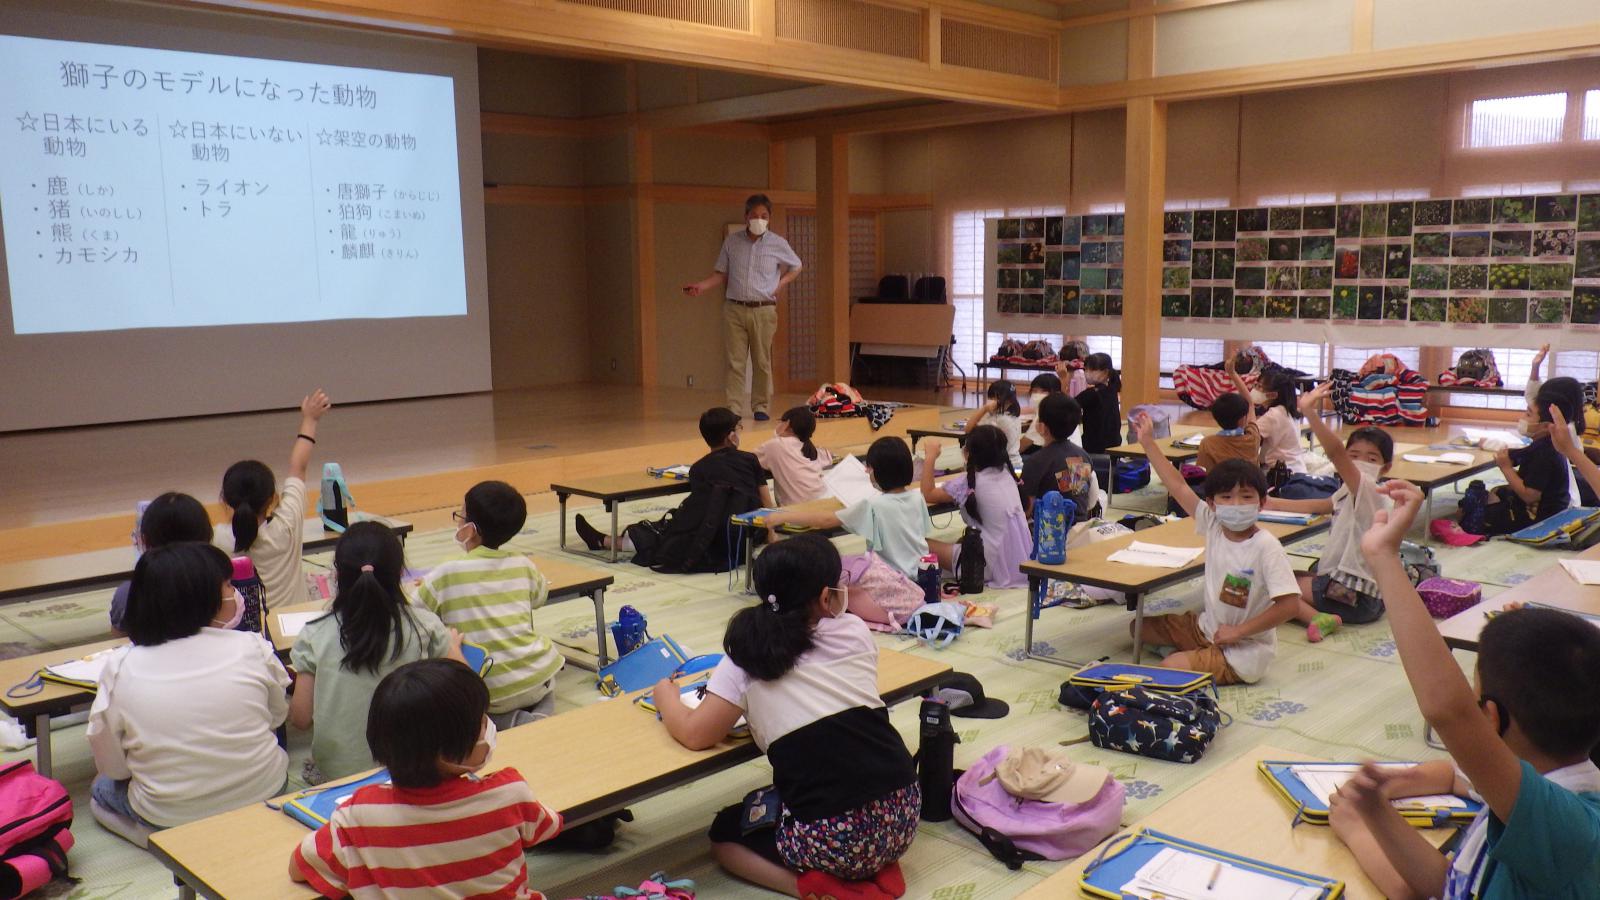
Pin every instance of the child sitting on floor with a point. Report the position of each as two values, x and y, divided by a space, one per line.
695 536
437 829
989 502
339 658
1538 481
1239 437
803 673
489 595
1250 589
1041 387
171 518
1060 465
1003 412
268 524
1521 734
794 461
1279 426
1342 591
1101 405
894 522
182 723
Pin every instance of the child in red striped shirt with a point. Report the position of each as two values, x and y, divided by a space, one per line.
437 827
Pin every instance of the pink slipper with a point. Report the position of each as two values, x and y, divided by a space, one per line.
1450 532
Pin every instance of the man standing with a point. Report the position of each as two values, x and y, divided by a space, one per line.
755 264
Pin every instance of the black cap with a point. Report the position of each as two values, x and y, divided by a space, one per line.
965 696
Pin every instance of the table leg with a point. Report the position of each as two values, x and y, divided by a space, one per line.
561 529
41 743
599 598
615 537
1138 626
1035 589
749 557
185 890
1426 517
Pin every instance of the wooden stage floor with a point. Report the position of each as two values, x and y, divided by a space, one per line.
69 490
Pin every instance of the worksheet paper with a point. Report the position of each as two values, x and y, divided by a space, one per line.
1174 874
85 669
849 482
1160 556
1453 458
1583 571
1192 440
290 624
1325 780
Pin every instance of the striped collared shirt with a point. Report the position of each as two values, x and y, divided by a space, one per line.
461 838
754 267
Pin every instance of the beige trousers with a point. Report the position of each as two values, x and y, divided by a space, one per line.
747 333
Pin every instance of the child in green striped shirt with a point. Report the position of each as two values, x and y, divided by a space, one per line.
489 595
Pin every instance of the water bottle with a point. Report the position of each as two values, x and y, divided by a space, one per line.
629 631
1052 520
936 760
928 578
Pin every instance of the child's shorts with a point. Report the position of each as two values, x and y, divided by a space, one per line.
853 846
1351 606
1182 630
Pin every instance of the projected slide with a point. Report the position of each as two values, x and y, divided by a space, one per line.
156 189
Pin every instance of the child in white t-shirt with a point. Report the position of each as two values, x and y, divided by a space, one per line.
1250 588
269 525
1003 411
1342 591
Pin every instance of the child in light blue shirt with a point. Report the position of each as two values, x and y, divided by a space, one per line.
895 522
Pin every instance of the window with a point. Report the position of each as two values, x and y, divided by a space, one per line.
1377 196
1109 344
1579 364
967 275
1352 358
1591 115
1177 352
1308 358
1293 199
1516 121
1515 365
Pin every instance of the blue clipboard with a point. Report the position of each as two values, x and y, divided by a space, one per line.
315 807
1310 808
1124 855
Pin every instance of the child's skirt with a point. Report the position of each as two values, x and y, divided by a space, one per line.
852 846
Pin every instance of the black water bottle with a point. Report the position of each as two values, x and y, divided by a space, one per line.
936 759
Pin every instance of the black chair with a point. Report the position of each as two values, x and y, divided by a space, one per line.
929 289
891 289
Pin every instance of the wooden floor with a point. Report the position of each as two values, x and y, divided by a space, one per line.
68 490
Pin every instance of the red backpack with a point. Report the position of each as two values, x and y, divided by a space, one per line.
35 829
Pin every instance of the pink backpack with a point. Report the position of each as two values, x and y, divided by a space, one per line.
1015 830
1444 597
35 829
879 593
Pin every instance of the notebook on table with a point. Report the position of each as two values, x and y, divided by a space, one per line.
1148 865
692 695
83 672
676 473
1308 787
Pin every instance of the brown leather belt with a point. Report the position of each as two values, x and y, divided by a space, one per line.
753 302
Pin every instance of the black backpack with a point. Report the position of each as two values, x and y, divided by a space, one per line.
695 537
970 568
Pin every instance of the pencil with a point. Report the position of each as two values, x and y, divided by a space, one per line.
1216 869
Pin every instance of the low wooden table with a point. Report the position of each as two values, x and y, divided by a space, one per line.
1234 809
35 578
583 763
1089 565
1552 587
612 491
948 432
1176 454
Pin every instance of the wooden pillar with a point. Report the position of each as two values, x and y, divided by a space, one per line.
1141 292
777 180
643 213
833 256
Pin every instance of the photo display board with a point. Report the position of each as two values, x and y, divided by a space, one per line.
1525 265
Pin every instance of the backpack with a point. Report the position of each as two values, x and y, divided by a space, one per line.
1088 683
1131 475
971 564
1015 830
1158 725
1037 350
696 536
36 833
1052 521
883 596
252 590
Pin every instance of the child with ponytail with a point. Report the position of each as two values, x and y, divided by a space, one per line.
794 461
1003 411
268 525
1102 410
340 658
803 673
990 502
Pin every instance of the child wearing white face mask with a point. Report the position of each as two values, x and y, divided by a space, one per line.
489 595
1250 588
803 673
1342 590
182 723
464 835
795 462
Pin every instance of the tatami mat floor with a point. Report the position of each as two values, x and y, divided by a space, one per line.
1344 697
